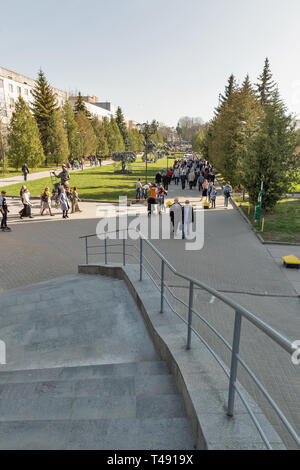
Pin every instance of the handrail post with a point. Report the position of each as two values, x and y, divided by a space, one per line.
86 251
190 317
105 250
141 259
124 256
234 362
162 286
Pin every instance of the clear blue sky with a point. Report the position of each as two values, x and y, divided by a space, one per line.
159 59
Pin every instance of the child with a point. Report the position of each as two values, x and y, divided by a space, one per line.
213 195
4 210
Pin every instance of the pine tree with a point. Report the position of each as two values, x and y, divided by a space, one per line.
266 85
80 107
230 88
120 120
72 131
271 156
88 138
24 138
57 143
44 103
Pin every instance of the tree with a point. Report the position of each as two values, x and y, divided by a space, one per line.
102 146
44 103
80 107
3 144
120 120
57 143
119 142
24 138
72 131
124 158
230 88
271 157
266 86
88 138
187 127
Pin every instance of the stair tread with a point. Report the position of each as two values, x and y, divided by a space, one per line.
98 434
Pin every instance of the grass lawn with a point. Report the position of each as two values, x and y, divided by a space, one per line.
99 183
282 224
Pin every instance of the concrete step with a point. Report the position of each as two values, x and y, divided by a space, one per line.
97 434
83 408
93 388
84 372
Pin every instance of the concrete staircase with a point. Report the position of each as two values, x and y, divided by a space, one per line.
85 374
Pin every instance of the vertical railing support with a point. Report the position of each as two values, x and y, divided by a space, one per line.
105 250
234 362
141 259
124 255
86 251
162 288
190 317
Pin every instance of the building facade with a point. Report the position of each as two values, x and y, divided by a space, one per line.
12 85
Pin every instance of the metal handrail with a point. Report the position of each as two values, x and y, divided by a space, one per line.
240 312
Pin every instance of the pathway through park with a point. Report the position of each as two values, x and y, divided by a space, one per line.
232 261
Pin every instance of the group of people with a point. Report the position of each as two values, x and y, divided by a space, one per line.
195 171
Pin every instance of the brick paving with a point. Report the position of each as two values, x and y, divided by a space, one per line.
232 260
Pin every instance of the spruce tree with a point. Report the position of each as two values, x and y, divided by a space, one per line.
119 143
72 131
266 85
271 156
24 138
120 120
57 142
102 146
44 103
80 107
230 88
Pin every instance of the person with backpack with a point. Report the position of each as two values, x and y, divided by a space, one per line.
213 196
227 190
46 201
4 210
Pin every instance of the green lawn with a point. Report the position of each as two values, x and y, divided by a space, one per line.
99 183
282 224
10 172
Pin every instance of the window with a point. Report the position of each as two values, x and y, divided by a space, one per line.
12 101
1 83
26 91
19 90
11 88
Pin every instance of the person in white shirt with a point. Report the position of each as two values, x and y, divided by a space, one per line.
138 189
187 219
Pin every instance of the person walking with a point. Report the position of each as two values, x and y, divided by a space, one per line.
46 201
4 210
187 219
139 188
152 199
25 171
213 196
75 199
64 203
158 178
26 211
227 190
176 216
191 179
176 176
205 189
165 180
183 179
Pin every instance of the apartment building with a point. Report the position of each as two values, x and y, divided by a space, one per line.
12 85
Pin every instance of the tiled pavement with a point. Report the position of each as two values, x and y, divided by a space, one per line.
232 260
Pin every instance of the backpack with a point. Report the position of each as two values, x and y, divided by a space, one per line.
44 197
227 193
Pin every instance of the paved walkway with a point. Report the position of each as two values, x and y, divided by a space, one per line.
232 260
40 174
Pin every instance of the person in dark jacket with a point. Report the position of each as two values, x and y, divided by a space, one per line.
25 171
4 210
